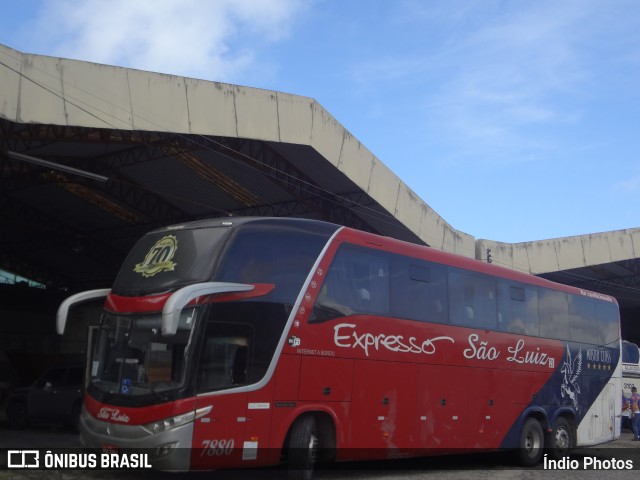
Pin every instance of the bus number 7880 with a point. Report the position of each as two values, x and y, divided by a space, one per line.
217 448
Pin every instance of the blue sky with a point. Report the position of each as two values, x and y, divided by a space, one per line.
514 120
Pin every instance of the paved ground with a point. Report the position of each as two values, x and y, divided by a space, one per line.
476 467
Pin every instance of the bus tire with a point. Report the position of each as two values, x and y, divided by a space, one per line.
560 440
303 449
531 443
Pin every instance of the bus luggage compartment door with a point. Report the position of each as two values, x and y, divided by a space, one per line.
383 409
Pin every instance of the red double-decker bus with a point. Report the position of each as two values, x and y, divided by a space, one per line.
254 341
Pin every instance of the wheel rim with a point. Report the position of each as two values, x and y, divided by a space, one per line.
532 443
562 438
313 448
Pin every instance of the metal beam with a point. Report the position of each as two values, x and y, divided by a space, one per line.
331 206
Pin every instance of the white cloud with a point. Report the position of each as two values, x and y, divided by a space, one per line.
498 80
629 185
509 74
210 39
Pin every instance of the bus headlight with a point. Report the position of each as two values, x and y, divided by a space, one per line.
169 423
166 424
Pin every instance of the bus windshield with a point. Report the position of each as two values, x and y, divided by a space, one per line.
131 356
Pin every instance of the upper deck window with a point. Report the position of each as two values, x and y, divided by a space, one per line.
168 259
261 251
419 290
517 308
472 299
607 317
582 319
554 314
357 282
276 254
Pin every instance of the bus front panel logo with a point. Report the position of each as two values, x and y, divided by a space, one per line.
159 257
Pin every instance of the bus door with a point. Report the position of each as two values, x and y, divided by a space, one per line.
603 416
256 447
219 434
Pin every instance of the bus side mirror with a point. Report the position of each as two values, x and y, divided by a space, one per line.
63 309
179 299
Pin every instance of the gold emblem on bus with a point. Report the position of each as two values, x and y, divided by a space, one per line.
159 257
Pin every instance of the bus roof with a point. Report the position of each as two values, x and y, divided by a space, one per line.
241 221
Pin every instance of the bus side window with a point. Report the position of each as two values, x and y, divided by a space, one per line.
225 357
630 353
419 290
333 300
357 283
517 308
554 314
582 320
472 299
608 322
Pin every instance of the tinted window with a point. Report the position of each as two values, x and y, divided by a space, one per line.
363 280
55 378
517 308
225 356
582 319
281 255
608 320
630 353
239 343
357 282
169 259
554 314
472 299
419 290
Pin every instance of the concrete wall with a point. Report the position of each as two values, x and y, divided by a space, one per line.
552 255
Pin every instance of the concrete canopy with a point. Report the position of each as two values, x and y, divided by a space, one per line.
607 262
174 149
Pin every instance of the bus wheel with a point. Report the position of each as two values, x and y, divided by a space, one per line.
303 449
531 443
560 441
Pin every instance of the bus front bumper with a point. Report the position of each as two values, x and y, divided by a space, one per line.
167 450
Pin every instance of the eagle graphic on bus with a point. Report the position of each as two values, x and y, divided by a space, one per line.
571 369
